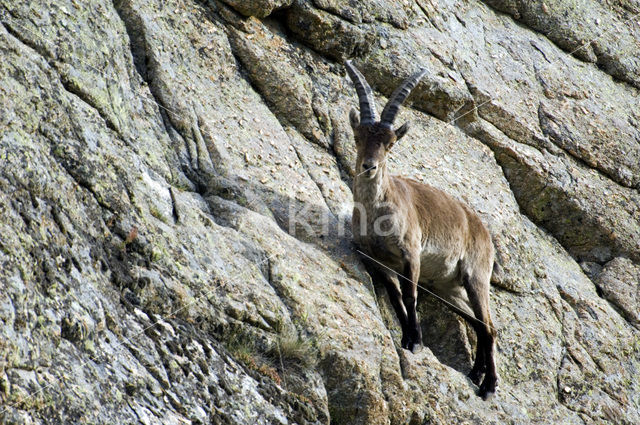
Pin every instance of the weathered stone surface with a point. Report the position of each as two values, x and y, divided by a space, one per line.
398 54
327 33
289 89
556 191
604 33
619 281
257 8
396 13
174 211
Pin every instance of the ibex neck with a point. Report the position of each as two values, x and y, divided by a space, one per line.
371 191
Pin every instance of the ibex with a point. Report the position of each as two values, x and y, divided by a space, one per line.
419 234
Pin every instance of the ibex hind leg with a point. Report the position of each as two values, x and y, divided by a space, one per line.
478 293
479 364
462 306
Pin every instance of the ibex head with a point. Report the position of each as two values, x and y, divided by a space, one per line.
374 138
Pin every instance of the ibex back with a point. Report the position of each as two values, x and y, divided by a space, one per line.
413 234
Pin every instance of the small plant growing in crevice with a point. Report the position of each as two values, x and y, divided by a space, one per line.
283 358
289 350
240 343
245 347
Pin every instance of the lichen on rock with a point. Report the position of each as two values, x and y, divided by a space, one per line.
175 204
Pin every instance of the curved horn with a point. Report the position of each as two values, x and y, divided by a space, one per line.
398 96
365 95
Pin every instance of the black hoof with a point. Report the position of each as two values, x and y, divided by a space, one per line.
411 344
487 389
476 376
486 395
414 347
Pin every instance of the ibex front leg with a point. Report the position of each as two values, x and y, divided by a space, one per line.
412 336
380 275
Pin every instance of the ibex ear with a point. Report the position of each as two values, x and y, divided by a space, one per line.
402 130
354 119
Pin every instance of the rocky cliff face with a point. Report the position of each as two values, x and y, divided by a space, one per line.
175 189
